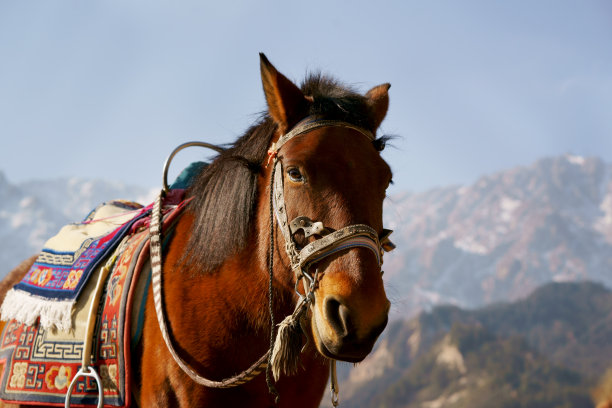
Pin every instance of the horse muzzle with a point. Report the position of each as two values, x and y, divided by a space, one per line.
342 334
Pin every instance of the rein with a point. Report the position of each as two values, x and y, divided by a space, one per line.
283 355
156 282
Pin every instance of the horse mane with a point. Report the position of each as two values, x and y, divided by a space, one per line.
225 192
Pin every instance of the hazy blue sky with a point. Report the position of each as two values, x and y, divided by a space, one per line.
106 89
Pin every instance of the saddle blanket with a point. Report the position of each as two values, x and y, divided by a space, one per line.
54 282
40 362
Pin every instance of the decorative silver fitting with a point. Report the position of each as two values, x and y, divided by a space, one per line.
309 226
294 256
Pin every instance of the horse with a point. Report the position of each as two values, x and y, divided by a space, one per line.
228 274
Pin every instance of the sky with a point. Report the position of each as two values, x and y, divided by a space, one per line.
106 89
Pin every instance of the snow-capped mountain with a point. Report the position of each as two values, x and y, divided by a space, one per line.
32 212
503 236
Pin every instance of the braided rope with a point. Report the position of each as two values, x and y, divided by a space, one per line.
269 381
156 280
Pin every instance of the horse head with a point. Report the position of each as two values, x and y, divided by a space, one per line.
330 177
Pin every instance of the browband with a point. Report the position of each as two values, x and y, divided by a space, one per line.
314 122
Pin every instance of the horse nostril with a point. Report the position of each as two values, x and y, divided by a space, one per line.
337 316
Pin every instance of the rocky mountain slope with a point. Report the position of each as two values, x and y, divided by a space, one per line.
503 236
549 349
32 212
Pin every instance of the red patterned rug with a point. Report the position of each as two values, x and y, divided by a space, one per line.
41 362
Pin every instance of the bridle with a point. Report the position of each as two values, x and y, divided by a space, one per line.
329 241
278 358
301 259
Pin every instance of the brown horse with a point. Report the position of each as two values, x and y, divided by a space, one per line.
215 267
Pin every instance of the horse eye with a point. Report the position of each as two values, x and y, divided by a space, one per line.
380 144
295 175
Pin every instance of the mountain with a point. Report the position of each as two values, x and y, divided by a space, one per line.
32 212
501 237
549 349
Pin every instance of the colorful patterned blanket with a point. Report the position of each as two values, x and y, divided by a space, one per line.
40 362
50 289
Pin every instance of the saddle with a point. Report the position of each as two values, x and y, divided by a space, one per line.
52 310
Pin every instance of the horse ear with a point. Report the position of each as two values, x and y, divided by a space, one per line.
378 99
286 102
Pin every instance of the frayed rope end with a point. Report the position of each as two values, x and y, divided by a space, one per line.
287 346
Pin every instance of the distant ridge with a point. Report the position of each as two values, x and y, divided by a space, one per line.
32 212
501 237
549 349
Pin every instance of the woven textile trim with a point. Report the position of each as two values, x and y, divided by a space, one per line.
54 282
